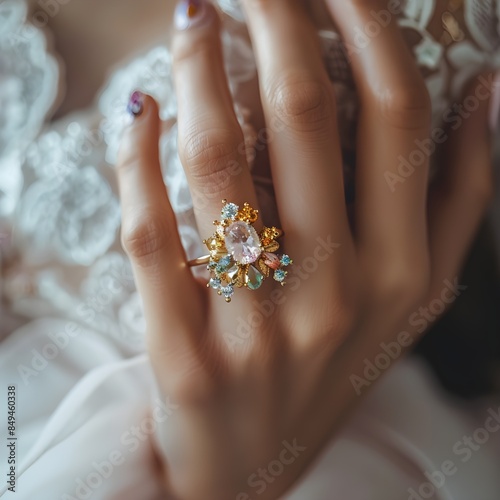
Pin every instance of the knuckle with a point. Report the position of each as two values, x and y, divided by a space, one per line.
339 326
186 52
335 328
130 160
342 315
406 108
404 286
200 45
189 376
332 320
211 157
345 299
145 237
303 104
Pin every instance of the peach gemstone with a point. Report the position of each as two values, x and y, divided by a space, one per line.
271 260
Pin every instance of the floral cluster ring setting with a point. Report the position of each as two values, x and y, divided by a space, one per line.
239 256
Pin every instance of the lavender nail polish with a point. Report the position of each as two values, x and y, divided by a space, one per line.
189 13
136 103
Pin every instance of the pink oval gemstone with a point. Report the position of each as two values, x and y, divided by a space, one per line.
242 242
271 260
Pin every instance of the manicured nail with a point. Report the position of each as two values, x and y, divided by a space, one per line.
189 13
136 103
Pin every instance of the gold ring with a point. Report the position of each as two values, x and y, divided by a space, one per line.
200 261
239 256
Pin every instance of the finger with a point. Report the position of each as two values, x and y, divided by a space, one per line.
464 186
210 138
391 170
299 108
150 237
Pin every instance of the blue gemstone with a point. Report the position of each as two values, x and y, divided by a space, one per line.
229 211
227 291
225 261
215 283
223 264
280 275
286 260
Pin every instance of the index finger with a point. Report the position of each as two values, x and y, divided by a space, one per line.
167 287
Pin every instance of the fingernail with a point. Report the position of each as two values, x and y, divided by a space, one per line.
189 13
136 103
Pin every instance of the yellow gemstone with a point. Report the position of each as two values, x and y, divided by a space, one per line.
192 10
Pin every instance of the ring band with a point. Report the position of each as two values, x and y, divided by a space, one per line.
239 256
200 261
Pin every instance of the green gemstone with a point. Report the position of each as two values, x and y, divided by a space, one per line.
254 278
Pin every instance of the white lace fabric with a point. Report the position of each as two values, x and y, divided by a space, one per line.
59 210
58 197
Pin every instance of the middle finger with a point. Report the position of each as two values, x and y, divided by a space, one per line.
210 137
299 107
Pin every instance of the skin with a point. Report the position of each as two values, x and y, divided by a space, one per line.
236 406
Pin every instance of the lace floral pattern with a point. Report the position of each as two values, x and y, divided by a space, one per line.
151 74
68 211
105 301
28 87
481 21
109 302
67 216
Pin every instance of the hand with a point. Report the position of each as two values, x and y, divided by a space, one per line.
286 376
